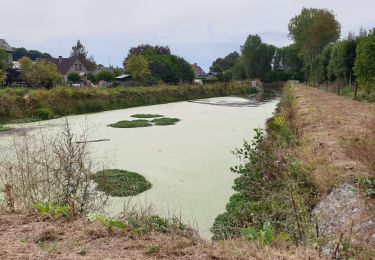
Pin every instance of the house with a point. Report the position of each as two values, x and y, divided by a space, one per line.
8 50
70 65
198 71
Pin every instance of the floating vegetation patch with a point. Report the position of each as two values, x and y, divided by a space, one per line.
131 124
146 121
120 183
165 121
146 116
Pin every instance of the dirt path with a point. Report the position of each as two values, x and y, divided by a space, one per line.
325 123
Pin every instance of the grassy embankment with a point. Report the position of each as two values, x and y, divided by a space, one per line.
272 185
21 104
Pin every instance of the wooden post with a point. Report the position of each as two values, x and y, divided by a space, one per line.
338 89
355 91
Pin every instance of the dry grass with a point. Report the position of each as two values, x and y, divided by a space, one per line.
25 236
362 148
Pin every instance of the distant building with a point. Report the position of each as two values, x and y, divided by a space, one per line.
70 65
9 50
198 71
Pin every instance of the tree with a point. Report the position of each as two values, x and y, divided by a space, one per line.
342 60
39 74
137 66
105 75
226 63
364 66
312 30
32 54
74 77
290 62
257 56
161 64
3 60
79 50
239 71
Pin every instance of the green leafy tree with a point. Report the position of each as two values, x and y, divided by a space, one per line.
74 77
364 67
257 56
312 30
342 60
32 54
137 66
239 71
290 62
3 60
105 75
226 63
40 74
162 65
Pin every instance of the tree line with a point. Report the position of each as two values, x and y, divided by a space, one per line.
317 54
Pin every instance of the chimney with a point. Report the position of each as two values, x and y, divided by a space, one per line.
60 59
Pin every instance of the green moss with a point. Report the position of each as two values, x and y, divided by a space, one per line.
119 183
146 115
165 121
131 124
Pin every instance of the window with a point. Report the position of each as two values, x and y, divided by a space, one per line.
80 67
76 67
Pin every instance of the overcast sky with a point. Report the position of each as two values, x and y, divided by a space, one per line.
198 30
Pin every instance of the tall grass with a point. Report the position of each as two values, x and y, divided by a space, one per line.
22 103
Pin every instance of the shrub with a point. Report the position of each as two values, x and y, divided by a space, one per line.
60 172
44 113
105 75
74 77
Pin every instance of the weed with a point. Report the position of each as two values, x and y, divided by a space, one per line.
152 250
110 224
368 185
264 236
50 247
54 212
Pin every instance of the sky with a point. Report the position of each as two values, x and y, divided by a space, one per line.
198 30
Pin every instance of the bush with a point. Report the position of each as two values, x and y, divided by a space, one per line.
60 172
105 75
74 77
44 113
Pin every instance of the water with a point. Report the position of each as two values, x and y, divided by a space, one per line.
188 163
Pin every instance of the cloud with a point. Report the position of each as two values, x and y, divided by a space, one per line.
200 30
